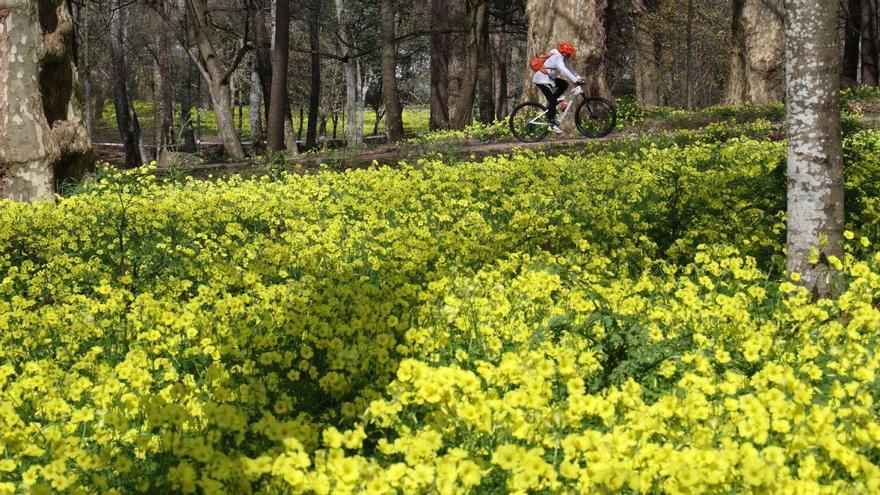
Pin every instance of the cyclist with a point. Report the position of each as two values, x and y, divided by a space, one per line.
552 76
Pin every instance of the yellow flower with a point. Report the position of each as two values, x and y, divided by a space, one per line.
506 456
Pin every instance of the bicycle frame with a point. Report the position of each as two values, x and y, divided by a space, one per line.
568 98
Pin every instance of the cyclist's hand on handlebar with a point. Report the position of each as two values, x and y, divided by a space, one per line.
581 80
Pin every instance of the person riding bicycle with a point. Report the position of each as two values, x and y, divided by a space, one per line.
552 76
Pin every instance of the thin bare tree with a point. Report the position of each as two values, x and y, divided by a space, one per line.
280 54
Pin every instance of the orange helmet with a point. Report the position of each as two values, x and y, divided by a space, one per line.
566 49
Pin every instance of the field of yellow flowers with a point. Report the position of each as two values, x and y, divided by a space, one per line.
597 322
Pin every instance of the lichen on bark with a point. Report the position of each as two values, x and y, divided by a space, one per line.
815 170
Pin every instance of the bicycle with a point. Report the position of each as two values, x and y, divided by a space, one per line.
594 117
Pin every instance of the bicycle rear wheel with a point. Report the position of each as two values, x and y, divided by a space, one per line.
595 117
527 122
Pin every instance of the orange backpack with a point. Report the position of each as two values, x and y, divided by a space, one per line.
537 63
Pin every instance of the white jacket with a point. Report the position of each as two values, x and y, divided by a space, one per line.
556 69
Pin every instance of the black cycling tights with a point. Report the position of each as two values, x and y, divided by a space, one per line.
553 96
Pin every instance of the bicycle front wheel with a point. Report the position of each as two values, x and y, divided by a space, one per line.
527 122
595 117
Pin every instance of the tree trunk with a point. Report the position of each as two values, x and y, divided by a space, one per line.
221 102
85 64
849 75
757 52
187 137
579 22
126 121
379 115
264 70
363 85
157 106
262 58
43 138
236 84
394 118
870 51
514 93
278 98
689 56
815 170
351 72
99 99
315 84
645 67
290 141
217 77
440 47
166 129
501 52
477 15
255 105
485 74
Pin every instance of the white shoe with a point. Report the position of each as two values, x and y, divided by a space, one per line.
556 129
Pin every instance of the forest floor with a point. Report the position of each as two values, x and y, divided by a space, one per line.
453 149
387 154
209 162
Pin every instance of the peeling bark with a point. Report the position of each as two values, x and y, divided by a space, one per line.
757 52
815 170
43 137
579 22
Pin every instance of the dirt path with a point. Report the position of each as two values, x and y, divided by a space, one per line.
391 155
